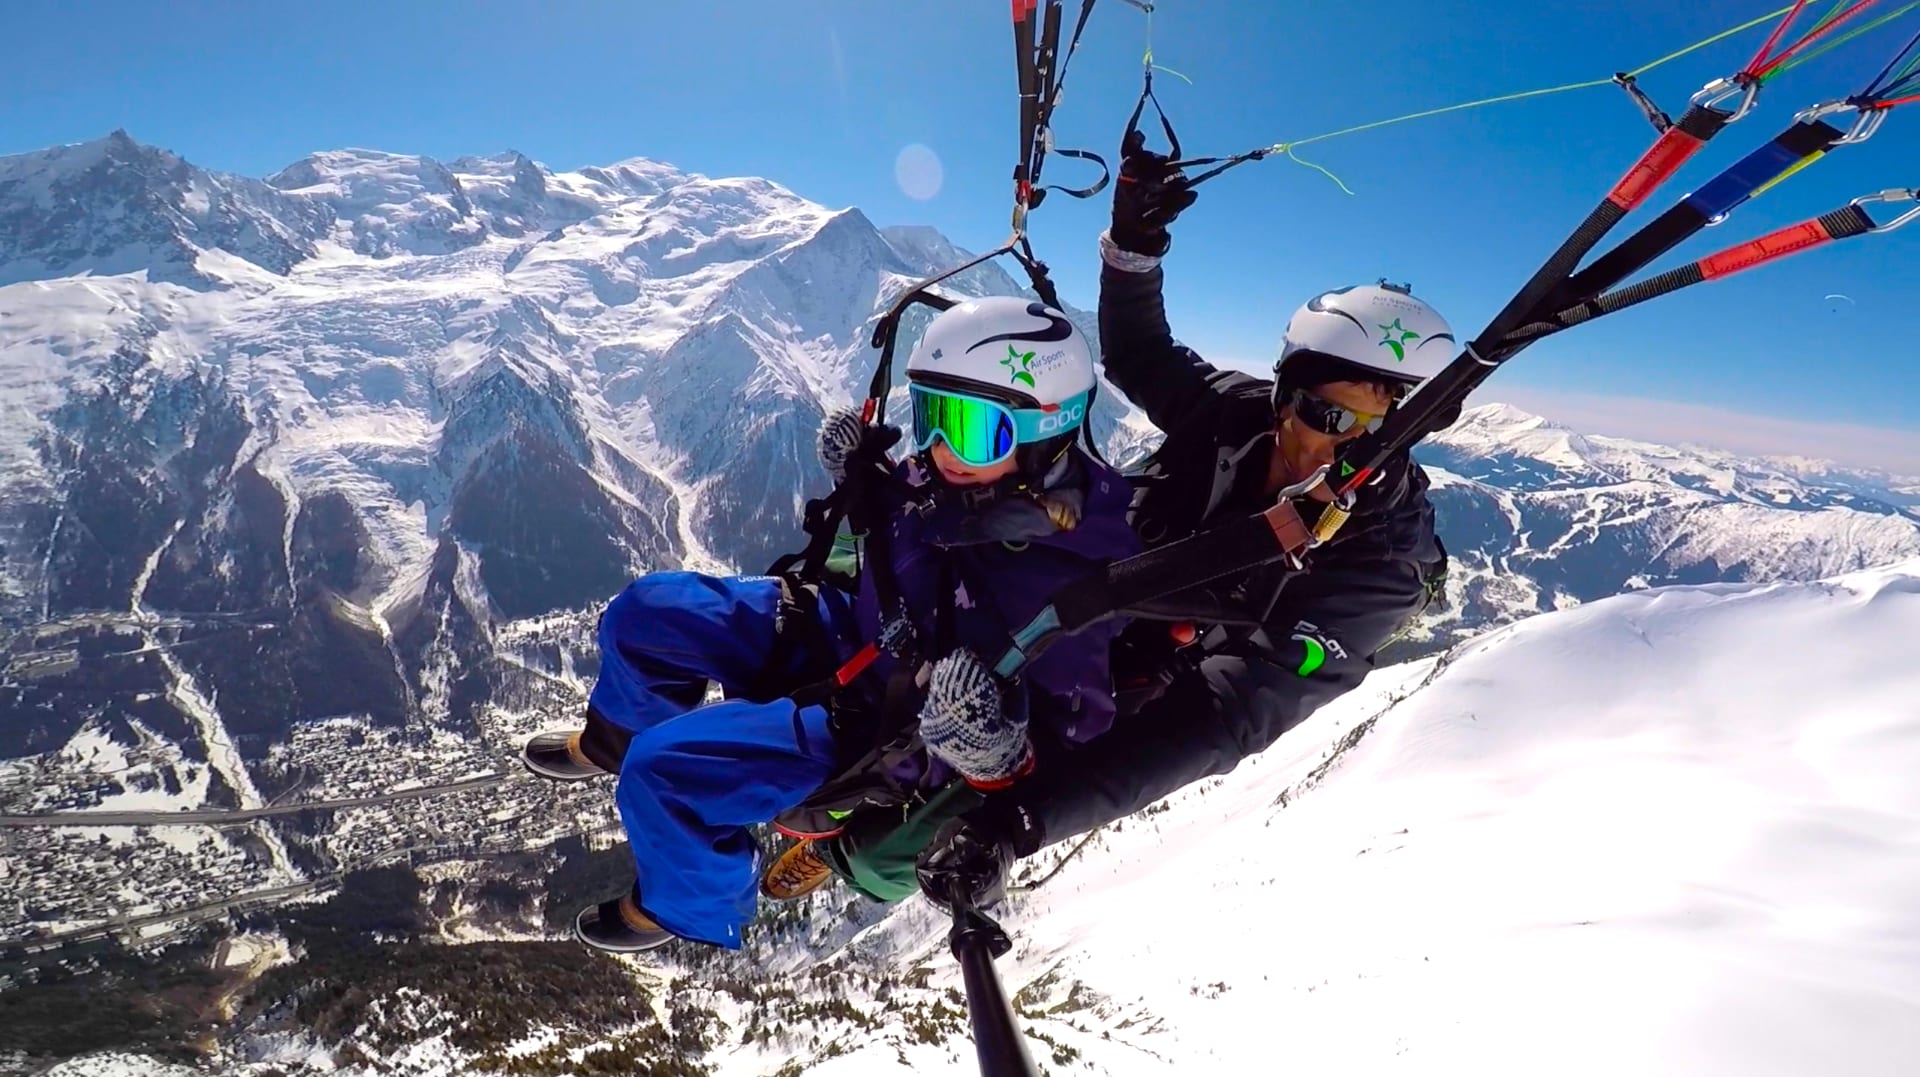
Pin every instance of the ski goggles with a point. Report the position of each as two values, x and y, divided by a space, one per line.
984 432
1333 420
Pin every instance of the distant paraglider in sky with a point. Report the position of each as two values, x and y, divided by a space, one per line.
1837 302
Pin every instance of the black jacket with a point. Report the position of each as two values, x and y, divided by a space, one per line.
1316 642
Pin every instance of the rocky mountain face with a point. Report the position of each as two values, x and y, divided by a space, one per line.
302 447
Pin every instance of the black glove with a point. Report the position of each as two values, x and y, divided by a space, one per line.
968 859
1148 197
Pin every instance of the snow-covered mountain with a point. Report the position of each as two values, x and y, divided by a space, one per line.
311 486
1538 516
1642 836
306 446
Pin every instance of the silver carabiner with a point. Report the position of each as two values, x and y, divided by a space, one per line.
1865 123
1720 90
1822 111
1301 488
1864 127
1893 194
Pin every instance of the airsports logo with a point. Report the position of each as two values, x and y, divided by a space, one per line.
1397 337
1019 365
1023 368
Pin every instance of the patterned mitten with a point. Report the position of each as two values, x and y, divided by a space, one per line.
965 725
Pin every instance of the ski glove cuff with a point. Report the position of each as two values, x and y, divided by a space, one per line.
1125 261
966 725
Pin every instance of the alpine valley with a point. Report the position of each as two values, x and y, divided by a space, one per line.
312 486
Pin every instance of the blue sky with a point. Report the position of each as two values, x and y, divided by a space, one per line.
824 95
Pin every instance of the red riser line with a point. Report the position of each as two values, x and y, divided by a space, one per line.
1674 149
1789 240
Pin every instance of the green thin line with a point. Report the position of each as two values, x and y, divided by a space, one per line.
1714 40
1828 17
1831 14
1839 41
1287 147
1342 184
1282 147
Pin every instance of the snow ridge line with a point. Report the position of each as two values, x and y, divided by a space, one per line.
1359 732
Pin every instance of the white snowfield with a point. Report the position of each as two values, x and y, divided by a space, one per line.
1673 832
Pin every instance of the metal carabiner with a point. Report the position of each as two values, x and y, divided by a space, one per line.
1720 90
1300 489
1823 110
1864 127
1893 194
1866 121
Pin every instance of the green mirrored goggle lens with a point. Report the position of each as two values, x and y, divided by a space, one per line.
981 433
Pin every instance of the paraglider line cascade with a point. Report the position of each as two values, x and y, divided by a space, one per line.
1556 297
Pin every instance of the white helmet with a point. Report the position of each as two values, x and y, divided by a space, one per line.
1369 332
1015 352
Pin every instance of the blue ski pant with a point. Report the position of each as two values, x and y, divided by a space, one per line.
695 777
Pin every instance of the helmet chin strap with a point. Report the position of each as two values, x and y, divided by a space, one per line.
972 496
976 497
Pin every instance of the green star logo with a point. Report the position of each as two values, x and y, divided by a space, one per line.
1396 337
1019 372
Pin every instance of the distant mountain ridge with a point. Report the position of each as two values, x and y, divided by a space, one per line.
1539 516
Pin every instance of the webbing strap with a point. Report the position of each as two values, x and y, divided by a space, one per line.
1789 151
1037 274
1674 148
886 334
1233 547
1173 140
1439 400
1139 106
1844 223
1042 74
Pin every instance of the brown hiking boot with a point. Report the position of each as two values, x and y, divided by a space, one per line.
619 926
797 873
556 755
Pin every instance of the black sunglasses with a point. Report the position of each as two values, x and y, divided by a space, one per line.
1329 418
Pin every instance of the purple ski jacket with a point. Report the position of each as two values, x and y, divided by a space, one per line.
1005 561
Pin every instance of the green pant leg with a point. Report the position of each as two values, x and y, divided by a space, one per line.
876 852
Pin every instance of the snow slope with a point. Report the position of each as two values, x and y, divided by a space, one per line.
1673 832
